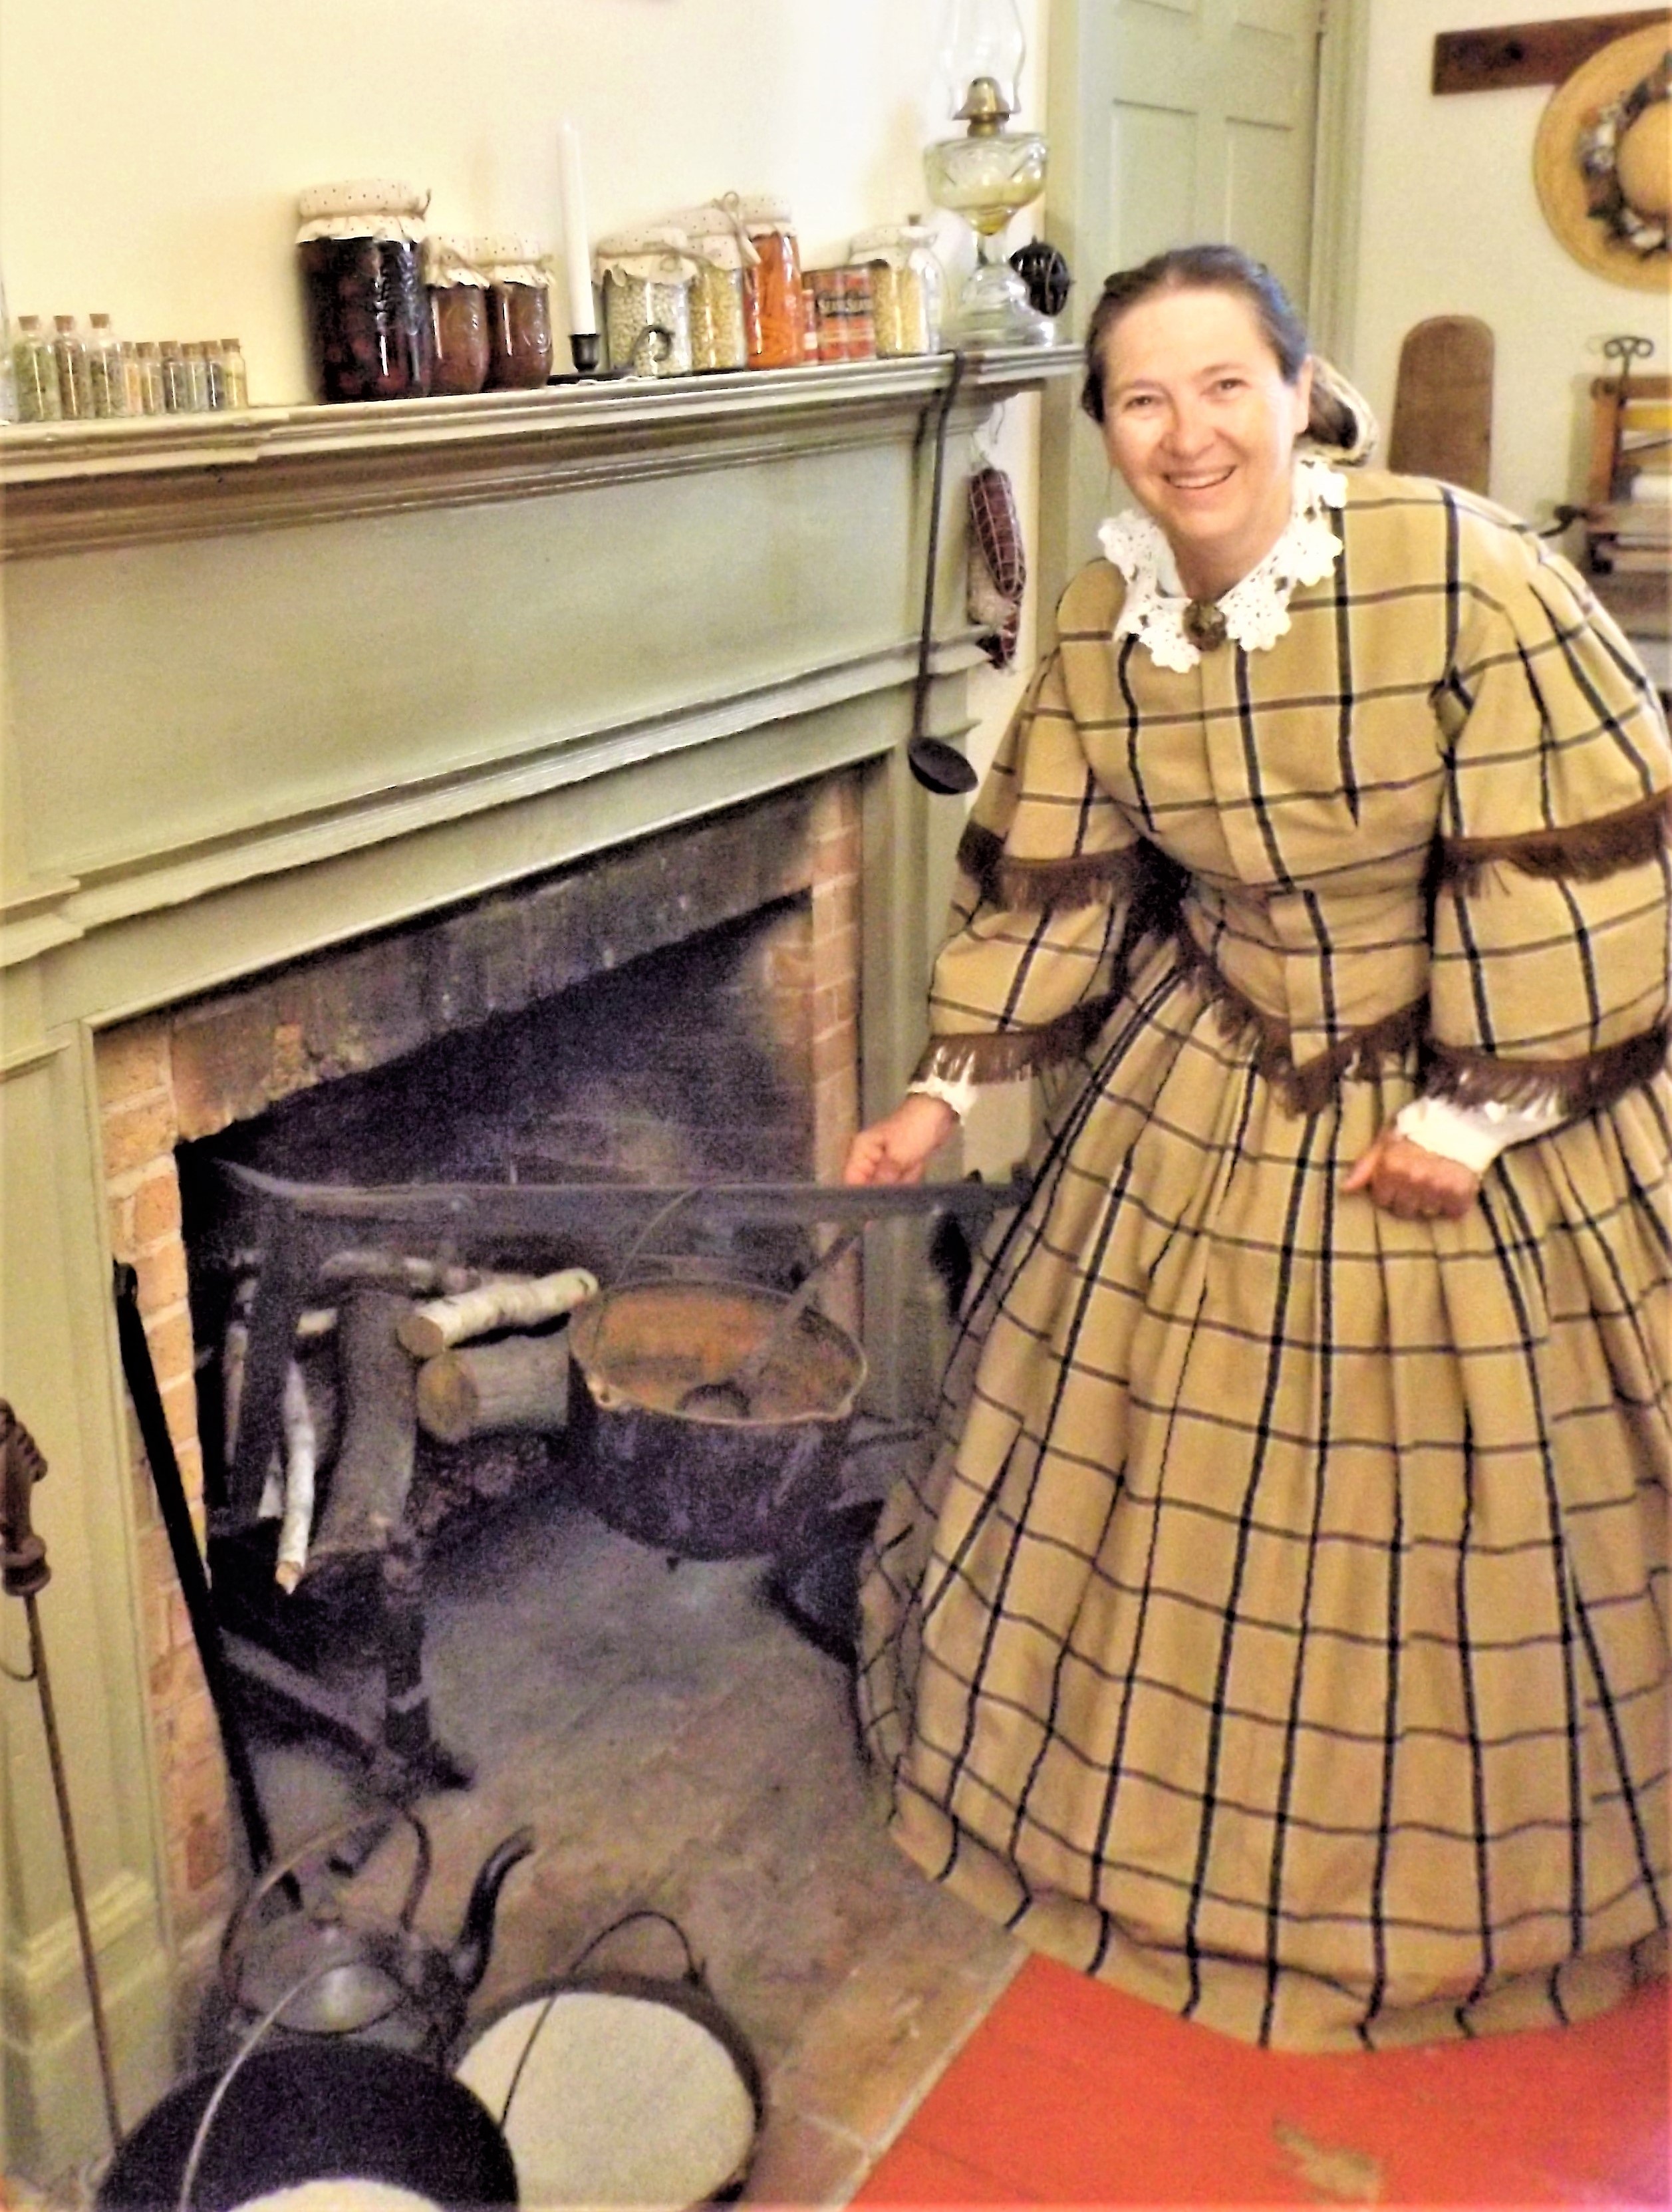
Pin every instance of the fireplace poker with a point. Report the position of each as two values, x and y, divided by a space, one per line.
24 1573
141 1378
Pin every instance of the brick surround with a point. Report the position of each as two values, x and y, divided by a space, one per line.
191 1071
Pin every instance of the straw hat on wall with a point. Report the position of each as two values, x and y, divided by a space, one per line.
1603 161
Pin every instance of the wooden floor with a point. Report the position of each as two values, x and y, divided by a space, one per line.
1070 2093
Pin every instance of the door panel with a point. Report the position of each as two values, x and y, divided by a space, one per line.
1172 121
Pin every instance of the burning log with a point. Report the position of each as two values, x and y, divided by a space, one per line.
374 1470
502 1302
522 1384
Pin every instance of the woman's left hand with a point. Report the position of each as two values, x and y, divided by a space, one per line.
1417 1185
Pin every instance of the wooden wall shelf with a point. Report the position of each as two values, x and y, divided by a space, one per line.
1530 53
66 487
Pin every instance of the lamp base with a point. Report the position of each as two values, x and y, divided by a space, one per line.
993 309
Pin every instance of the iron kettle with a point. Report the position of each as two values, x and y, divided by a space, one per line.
320 1967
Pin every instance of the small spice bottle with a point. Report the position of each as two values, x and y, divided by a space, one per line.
69 356
133 382
197 374
842 300
234 374
907 286
151 400
176 378
461 349
723 252
809 321
776 313
214 375
518 313
37 373
104 367
646 278
368 317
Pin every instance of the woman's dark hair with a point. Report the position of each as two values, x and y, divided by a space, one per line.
1220 269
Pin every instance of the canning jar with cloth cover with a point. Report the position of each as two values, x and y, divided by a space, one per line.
646 277
724 253
907 286
519 312
368 319
461 350
773 302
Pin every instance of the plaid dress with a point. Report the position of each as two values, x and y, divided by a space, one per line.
1280 1629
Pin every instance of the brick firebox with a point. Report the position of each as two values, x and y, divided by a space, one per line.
191 1071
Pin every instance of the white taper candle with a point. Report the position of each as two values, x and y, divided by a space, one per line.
577 241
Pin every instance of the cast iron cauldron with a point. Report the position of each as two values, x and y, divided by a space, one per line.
309 2111
701 1484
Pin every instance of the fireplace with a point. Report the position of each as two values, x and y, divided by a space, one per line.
320 723
682 1009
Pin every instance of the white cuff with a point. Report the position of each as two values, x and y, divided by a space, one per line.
1473 1136
958 1091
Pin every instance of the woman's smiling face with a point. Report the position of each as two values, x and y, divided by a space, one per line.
1201 422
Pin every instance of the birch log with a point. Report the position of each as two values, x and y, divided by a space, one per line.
374 1470
503 1302
522 1384
301 1461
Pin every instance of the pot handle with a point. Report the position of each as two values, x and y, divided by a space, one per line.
317 1847
693 1964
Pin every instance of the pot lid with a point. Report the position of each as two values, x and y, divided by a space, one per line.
351 1991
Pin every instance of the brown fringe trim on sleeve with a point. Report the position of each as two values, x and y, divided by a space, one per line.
1584 853
1000 1056
1309 1088
1035 886
1577 1087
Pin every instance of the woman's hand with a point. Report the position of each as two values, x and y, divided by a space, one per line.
1403 1178
897 1149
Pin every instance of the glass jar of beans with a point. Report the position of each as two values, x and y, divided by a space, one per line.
646 277
906 287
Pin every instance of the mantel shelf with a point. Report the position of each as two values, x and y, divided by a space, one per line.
72 487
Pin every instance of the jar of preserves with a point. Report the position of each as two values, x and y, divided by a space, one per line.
519 312
907 286
723 255
646 278
461 345
774 305
368 317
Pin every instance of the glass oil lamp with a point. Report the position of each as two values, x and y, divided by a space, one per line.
991 174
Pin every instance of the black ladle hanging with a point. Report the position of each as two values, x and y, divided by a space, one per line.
938 767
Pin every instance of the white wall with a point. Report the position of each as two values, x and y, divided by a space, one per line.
150 156
1451 225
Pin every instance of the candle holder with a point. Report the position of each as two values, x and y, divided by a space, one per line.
585 352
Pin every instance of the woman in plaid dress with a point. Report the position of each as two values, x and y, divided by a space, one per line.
1279 1631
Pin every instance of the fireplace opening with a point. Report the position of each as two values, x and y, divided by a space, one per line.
688 1066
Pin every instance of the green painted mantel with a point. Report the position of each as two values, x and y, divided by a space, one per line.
275 680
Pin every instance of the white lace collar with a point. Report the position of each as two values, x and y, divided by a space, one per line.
1255 611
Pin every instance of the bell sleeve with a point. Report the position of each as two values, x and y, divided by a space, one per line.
1053 887
1549 975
